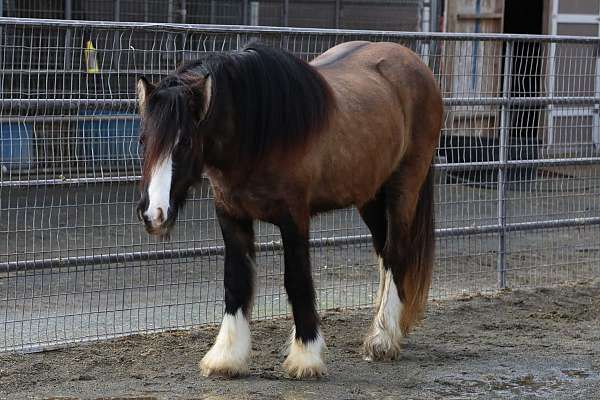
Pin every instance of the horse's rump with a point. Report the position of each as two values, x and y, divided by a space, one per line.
384 95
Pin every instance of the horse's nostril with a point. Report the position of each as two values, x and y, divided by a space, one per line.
160 217
140 215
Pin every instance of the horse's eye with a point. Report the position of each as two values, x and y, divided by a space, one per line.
141 140
185 141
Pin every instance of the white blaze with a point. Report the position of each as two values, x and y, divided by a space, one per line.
159 190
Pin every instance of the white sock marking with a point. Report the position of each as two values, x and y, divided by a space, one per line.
305 359
159 190
229 355
385 337
391 306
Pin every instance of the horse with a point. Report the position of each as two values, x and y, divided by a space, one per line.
282 139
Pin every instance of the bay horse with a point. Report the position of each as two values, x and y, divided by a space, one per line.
281 140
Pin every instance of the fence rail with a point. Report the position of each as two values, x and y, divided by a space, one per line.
517 178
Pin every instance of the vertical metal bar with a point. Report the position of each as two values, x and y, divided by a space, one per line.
425 27
68 9
68 15
245 8
1 30
338 11
117 10
434 16
425 16
183 11
254 13
146 11
170 11
502 170
286 13
213 10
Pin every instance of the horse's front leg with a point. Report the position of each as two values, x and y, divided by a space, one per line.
306 344
229 355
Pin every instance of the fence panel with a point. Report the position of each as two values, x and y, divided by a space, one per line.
515 205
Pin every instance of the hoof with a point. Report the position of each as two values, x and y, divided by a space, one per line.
304 360
304 367
379 345
216 363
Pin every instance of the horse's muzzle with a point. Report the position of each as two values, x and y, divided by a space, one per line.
162 223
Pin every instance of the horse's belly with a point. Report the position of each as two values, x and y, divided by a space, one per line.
344 184
355 164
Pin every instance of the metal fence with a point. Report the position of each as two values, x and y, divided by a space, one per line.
518 179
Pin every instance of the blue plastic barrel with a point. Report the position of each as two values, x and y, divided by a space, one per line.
108 140
15 144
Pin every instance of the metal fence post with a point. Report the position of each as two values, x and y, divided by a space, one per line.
254 13
170 11
213 12
286 13
502 168
68 15
338 11
183 11
245 8
117 10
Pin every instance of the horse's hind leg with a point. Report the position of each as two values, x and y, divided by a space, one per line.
383 339
374 215
407 259
229 355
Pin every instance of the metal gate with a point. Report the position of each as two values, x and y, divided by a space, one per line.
514 209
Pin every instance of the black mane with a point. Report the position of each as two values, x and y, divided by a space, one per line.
278 100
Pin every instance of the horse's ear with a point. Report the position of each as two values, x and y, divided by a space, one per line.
207 91
143 90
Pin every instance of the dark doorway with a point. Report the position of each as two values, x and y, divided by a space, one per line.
525 17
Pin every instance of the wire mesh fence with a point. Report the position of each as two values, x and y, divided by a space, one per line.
518 179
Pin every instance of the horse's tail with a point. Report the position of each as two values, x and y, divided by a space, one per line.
419 265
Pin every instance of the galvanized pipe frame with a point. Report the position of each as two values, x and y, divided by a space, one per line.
153 255
465 166
131 104
232 29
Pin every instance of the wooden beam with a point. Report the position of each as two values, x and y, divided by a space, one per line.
479 16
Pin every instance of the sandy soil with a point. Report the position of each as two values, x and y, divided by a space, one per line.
535 344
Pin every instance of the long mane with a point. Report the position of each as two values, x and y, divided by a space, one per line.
279 101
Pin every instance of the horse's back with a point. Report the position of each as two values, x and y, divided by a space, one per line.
399 66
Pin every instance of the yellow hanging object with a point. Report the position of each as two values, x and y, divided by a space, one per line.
90 58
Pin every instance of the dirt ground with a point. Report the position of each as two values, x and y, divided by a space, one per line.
535 344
